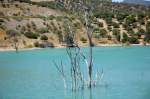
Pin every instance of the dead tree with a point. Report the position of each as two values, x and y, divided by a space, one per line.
60 69
84 8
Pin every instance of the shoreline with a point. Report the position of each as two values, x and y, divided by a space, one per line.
20 49
2 49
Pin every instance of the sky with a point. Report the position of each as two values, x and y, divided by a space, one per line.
117 0
122 0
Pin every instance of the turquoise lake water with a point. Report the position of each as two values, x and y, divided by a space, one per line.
32 75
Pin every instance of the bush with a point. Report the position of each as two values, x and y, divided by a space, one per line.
147 39
109 28
147 34
141 16
2 13
141 31
51 17
103 15
115 25
31 35
77 25
44 44
133 40
103 32
2 20
129 28
100 24
109 21
142 21
29 46
12 33
130 19
131 32
121 17
83 39
148 25
3 27
36 44
116 32
26 1
51 4
125 38
44 37
96 33
109 37
43 30
59 18
28 25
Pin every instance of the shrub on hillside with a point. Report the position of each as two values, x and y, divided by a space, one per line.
44 37
133 40
26 1
148 24
43 30
130 19
2 13
28 25
103 32
125 38
131 32
103 15
115 25
147 39
77 25
43 44
2 20
109 28
141 16
109 21
36 44
147 34
12 33
31 35
83 39
97 33
141 21
120 17
134 25
116 33
109 37
3 27
142 31
51 17
100 24
51 4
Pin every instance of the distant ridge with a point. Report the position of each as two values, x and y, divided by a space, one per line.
143 2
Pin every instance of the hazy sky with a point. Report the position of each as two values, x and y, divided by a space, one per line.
122 0
117 0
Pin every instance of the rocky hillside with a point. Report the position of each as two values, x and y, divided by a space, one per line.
43 24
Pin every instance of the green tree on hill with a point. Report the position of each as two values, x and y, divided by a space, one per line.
44 37
31 35
116 33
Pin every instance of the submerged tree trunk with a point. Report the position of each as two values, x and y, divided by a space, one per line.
89 35
85 8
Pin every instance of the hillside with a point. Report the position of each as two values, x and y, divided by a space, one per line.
41 0
143 2
43 24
